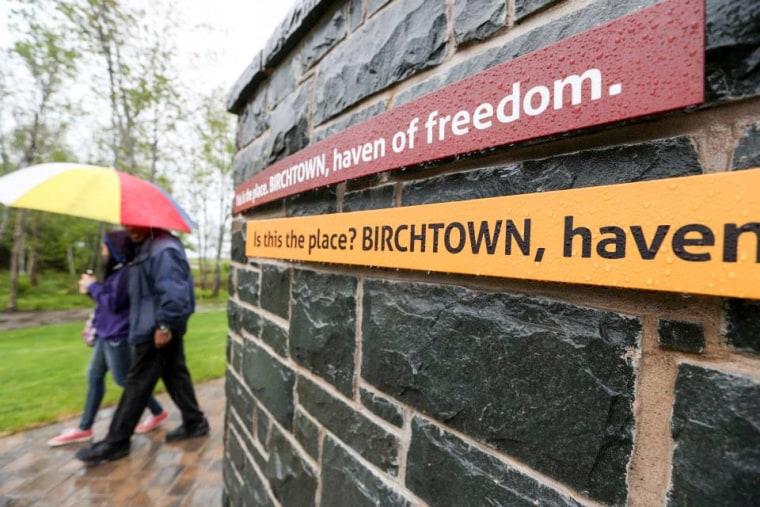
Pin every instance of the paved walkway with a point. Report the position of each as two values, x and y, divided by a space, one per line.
154 474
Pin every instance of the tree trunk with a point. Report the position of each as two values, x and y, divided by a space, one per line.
70 261
32 246
16 253
4 220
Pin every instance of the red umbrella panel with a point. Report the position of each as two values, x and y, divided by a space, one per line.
99 193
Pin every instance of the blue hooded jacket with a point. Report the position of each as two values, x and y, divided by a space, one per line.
161 287
111 320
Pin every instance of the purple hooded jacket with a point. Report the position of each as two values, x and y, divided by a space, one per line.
111 296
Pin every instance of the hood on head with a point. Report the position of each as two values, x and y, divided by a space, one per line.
121 248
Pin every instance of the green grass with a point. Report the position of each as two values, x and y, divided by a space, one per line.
42 369
59 291
54 291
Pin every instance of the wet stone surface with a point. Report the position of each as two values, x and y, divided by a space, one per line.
666 158
502 368
270 382
732 45
408 37
323 326
716 429
369 440
477 19
345 481
682 336
524 8
747 153
444 470
292 479
743 324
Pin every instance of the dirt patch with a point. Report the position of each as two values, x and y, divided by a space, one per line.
15 320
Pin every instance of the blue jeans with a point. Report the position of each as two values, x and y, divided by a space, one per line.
108 355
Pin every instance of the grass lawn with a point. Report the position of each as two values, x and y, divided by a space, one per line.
42 369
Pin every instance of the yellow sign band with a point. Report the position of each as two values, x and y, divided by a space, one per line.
696 234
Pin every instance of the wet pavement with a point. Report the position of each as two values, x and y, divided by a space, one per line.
155 473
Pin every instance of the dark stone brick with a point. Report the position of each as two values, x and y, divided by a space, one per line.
323 38
368 439
234 422
237 247
236 355
345 481
254 493
502 369
370 198
665 158
232 484
250 161
382 407
355 14
352 119
251 321
252 490
275 288
232 282
253 122
743 324
248 286
682 336
477 19
747 153
323 326
303 16
289 124
270 381
732 49
544 35
262 428
316 202
407 38
524 8
307 434
444 470
234 317
292 480
282 82
240 399
234 452
244 85
275 336
716 429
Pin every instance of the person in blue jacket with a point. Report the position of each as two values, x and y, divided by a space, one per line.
111 350
162 294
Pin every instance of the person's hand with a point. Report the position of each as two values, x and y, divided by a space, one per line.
161 338
85 281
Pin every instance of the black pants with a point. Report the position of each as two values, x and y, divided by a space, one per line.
148 365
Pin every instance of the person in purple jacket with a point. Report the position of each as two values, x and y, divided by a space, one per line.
111 350
162 292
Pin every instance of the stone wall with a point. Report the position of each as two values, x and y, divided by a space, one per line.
355 386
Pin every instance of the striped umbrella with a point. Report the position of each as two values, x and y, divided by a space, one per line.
99 193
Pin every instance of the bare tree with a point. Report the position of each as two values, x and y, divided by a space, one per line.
217 140
46 56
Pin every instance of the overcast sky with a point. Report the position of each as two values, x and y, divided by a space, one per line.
239 30
236 30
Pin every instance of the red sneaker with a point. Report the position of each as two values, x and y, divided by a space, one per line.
71 436
151 422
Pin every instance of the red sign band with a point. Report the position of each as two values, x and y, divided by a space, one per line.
648 62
